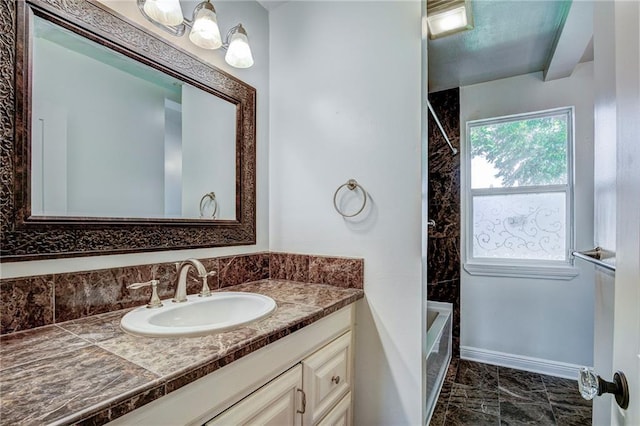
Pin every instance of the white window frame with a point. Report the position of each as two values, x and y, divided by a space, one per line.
521 268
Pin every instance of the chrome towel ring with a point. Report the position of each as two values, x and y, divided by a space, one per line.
212 199
351 185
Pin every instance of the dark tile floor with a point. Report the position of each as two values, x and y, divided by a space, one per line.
478 394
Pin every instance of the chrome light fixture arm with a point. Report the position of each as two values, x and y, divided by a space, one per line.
177 30
180 30
204 29
227 37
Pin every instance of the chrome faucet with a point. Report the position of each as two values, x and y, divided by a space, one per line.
181 279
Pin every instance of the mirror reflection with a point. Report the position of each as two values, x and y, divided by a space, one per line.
114 138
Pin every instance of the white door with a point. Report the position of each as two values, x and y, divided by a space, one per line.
626 335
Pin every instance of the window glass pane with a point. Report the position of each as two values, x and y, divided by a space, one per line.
520 226
521 152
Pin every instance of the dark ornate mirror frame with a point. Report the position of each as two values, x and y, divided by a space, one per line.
29 238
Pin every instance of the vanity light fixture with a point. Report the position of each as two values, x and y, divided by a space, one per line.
446 17
167 12
238 50
204 30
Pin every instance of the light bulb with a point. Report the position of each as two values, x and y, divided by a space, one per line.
205 32
167 12
239 53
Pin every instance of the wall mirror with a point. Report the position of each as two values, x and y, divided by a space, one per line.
121 141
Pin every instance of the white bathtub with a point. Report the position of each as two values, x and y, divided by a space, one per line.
439 325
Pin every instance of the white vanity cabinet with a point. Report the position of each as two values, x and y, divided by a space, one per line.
304 395
341 414
276 403
304 379
326 378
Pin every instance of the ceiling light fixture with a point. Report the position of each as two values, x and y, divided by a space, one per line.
446 17
204 30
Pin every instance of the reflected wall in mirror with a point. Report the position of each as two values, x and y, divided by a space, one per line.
115 141
112 137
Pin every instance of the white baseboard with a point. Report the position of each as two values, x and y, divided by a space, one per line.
536 365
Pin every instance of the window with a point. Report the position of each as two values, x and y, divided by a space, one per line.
519 188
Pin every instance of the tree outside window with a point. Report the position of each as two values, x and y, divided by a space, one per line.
520 187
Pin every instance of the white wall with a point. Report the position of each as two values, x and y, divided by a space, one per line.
547 319
345 103
255 20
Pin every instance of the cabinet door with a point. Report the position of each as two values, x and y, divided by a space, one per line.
276 403
341 414
326 378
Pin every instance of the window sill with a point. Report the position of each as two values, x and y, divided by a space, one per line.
523 271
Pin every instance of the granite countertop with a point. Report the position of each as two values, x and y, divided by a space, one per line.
89 371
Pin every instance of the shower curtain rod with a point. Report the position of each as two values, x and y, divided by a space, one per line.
446 138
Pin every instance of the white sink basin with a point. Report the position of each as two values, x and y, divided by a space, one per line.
198 316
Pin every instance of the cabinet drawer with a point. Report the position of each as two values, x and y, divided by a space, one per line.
326 377
340 415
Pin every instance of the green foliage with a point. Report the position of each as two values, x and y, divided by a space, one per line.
525 152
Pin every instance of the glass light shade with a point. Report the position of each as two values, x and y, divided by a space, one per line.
448 22
205 32
239 53
167 12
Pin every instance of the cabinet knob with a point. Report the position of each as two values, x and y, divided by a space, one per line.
591 386
335 379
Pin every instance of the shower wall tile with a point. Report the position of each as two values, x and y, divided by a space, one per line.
446 215
442 161
26 303
446 104
338 271
236 270
443 255
443 291
286 266
444 186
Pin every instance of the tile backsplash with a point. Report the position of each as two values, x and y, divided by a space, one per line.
30 302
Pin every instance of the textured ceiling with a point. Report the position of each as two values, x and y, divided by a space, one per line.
511 37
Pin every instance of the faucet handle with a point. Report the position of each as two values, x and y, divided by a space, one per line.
155 300
206 291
